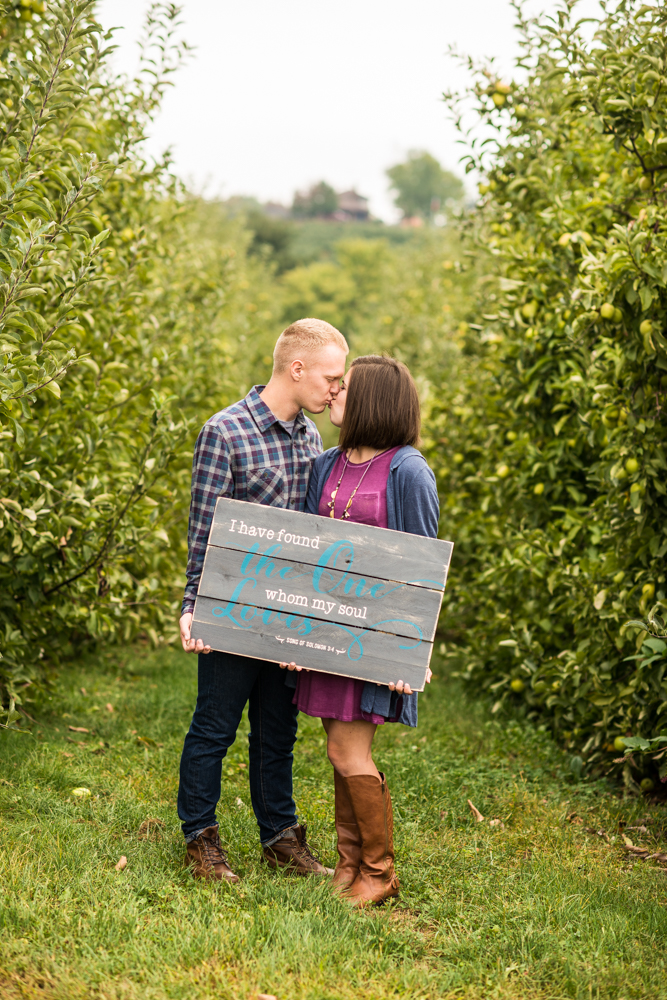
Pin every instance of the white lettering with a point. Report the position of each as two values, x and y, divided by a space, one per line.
301 601
342 609
282 596
325 606
253 529
290 598
271 594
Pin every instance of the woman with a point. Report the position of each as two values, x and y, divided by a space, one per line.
375 476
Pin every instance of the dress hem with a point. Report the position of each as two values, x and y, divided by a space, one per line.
378 720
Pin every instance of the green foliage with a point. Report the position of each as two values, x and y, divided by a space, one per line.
407 299
104 265
316 239
272 239
551 453
423 188
319 200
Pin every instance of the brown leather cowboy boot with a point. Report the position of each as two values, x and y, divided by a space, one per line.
206 858
349 837
292 852
377 880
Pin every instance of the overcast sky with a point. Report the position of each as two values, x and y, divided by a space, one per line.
279 95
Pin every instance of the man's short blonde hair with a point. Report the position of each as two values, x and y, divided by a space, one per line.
304 337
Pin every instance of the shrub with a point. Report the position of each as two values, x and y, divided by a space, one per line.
124 322
551 452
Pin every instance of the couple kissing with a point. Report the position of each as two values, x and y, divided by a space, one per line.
263 449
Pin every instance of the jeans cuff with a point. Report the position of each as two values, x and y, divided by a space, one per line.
278 836
189 837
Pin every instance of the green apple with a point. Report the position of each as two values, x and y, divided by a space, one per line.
528 309
646 785
645 184
619 744
646 328
631 466
607 311
538 489
618 316
502 471
517 685
648 590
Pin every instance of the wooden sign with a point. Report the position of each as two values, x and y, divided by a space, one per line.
331 595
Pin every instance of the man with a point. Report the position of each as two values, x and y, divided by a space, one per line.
261 450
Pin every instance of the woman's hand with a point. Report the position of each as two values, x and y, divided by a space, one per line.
291 666
404 688
401 687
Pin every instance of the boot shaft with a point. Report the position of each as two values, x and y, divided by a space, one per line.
371 803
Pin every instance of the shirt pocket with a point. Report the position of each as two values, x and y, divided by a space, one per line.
365 509
265 486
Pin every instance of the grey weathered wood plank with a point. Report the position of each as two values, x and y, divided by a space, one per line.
330 594
383 657
377 552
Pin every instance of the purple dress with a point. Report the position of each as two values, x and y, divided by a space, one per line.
330 696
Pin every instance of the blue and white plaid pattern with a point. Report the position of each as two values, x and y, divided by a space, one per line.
244 453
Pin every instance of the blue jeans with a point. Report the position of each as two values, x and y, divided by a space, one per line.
226 684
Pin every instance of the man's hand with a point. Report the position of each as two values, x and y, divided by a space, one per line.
291 666
191 645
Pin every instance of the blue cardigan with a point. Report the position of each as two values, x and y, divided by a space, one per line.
412 506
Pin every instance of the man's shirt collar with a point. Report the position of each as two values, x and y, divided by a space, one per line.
262 415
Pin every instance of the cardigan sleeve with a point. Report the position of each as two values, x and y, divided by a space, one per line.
421 506
315 485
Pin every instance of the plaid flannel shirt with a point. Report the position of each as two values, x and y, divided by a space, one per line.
243 452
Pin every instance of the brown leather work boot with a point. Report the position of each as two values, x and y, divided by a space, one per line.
349 837
206 858
292 852
377 880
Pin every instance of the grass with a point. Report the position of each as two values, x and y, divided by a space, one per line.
537 908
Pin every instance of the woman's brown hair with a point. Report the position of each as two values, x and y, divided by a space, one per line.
382 405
